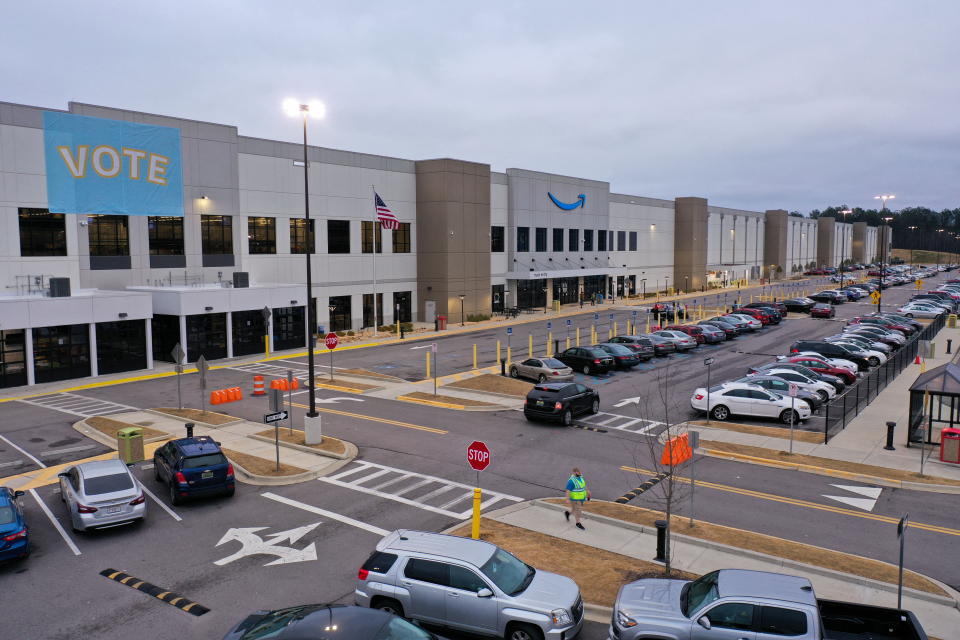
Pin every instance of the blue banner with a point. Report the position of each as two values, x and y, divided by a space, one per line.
110 166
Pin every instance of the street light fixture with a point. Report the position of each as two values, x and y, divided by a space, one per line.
313 109
461 309
913 241
883 200
843 244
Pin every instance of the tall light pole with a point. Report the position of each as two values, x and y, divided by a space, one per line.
843 243
936 245
883 197
913 241
461 309
883 258
314 109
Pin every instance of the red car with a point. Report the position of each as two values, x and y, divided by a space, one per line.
822 366
694 332
883 322
761 315
822 310
815 272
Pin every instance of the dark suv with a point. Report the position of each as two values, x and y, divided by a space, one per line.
587 359
560 401
193 467
831 350
643 347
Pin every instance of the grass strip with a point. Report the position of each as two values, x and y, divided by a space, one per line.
109 427
329 444
429 397
261 466
495 384
799 434
210 417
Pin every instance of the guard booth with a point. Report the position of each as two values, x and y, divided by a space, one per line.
934 403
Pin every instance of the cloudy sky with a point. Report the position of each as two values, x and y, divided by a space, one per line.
751 104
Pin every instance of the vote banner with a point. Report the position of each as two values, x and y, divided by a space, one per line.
104 166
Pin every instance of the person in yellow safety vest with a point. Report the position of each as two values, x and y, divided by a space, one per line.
577 494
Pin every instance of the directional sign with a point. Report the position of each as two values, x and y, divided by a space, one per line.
478 455
202 367
337 399
707 362
331 340
269 544
270 418
178 353
627 401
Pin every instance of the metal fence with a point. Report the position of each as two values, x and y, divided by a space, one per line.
842 409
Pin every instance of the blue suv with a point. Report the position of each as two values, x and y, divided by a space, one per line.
193 466
14 534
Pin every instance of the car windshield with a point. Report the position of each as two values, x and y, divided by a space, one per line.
400 629
6 515
273 624
507 572
209 460
552 363
107 484
617 349
700 593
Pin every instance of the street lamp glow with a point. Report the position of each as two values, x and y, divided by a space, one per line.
883 198
314 108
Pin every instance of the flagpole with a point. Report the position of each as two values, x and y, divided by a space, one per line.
376 217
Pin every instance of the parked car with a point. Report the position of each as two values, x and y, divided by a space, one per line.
753 324
837 383
810 383
741 325
640 345
740 603
874 357
899 318
920 310
743 399
777 308
831 350
693 331
713 334
781 386
842 363
866 342
894 338
681 341
729 329
821 366
765 315
882 322
326 622
100 494
661 346
560 402
14 532
799 305
823 310
541 370
413 573
193 467
587 360
829 295
623 357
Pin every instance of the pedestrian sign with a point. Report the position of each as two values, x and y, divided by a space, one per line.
919 284
875 296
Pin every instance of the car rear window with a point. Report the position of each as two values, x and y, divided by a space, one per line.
107 484
208 460
6 515
379 562
552 362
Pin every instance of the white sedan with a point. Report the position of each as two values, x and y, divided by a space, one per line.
750 320
744 399
825 390
918 310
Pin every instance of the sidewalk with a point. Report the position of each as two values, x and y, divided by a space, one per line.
939 615
865 436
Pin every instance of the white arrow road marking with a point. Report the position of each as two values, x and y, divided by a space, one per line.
253 544
425 346
867 504
627 401
336 399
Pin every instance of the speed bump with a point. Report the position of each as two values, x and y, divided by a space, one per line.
170 597
646 485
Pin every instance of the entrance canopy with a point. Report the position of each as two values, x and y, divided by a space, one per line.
935 399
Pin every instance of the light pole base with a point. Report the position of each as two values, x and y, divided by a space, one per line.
312 432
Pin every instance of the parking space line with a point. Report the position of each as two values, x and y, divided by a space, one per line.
23 451
161 504
57 452
328 514
56 523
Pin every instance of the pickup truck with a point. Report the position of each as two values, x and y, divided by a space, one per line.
736 604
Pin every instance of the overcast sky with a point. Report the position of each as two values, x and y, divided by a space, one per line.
750 104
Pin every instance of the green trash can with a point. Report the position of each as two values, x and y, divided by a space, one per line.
130 444
952 321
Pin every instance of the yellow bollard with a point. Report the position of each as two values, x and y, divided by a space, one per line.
475 527
529 345
428 363
578 336
498 352
751 298
509 357
568 342
266 345
614 330
549 343
474 355
648 325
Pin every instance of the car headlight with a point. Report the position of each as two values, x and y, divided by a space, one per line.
624 620
560 616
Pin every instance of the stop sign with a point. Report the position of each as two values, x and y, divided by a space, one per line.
331 340
478 456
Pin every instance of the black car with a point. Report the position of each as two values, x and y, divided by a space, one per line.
800 305
327 622
193 466
560 401
623 356
728 328
587 359
643 347
830 350
782 387
828 296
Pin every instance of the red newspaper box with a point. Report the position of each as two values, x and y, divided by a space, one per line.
950 446
441 322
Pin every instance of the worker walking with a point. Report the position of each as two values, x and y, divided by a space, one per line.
577 494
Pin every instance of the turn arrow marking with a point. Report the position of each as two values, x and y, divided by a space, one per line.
867 504
627 401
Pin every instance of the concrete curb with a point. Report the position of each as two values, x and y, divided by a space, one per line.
951 601
275 481
346 389
83 428
349 454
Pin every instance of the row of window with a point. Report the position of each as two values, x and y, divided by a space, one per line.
615 240
44 234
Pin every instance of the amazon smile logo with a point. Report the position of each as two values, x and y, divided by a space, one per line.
581 201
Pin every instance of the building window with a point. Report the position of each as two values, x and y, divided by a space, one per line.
401 238
216 235
262 235
402 307
610 240
633 241
61 353
573 244
523 239
541 239
368 319
340 315
298 236
601 240
121 346
498 298
621 240
108 236
13 355
558 240
166 235
370 230
289 328
206 336
42 233
166 335
496 240
338 236
588 239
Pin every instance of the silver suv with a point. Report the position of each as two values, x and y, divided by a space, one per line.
468 585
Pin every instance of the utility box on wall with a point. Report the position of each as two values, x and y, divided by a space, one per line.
59 287
241 279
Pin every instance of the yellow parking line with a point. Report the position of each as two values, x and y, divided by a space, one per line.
376 419
432 403
806 504
48 475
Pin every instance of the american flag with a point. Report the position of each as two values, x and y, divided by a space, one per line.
384 215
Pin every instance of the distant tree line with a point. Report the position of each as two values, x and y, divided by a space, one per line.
913 227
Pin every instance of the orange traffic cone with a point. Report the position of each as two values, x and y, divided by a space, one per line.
296 384
258 389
